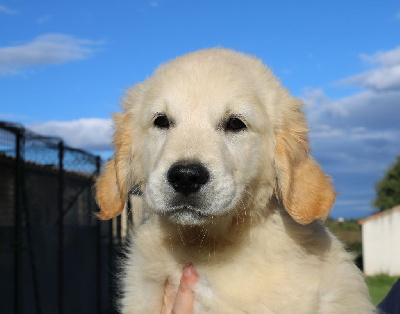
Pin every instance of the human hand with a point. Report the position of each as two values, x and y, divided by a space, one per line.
181 301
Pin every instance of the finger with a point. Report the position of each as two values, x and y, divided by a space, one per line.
169 297
185 296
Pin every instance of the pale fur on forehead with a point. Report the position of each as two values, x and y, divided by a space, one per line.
215 70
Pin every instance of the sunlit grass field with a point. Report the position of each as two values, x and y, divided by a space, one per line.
379 287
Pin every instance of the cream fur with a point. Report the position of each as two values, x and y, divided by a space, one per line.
259 245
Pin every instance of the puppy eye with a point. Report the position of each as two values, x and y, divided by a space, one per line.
235 124
162 122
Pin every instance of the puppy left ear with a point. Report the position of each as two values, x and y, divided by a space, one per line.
110 194
305 190
114 184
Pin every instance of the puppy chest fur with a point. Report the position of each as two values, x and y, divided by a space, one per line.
254 274
220 151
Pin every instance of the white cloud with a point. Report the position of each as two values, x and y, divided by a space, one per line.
368 109
363 126
385 76
317 103
8 11
48 49
374 107
88 134
327 132
382 78
356 137
386 58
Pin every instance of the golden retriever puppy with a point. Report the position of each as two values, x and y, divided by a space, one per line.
220 152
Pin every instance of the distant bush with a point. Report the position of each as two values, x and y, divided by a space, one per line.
388 188
347 225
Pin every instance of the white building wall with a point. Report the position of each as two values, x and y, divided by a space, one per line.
381 244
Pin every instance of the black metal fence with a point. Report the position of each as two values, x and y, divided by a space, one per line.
55 255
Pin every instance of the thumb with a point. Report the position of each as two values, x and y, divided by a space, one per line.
185 296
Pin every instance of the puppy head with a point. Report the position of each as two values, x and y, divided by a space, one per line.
200 132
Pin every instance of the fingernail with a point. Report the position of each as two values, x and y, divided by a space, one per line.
188 269
189 272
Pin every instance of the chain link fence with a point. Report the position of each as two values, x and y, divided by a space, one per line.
55 255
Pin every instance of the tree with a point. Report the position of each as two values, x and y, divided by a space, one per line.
388 188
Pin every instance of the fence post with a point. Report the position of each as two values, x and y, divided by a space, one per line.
99 244
60 227
18 221
111 260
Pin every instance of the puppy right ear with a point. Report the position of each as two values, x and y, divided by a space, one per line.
109 196
305 190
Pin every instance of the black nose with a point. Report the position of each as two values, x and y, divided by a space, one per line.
187 179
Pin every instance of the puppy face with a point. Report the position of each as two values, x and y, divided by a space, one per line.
206 133
202 143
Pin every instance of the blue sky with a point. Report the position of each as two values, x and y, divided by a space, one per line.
64 67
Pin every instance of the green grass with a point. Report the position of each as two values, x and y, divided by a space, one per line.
379 287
